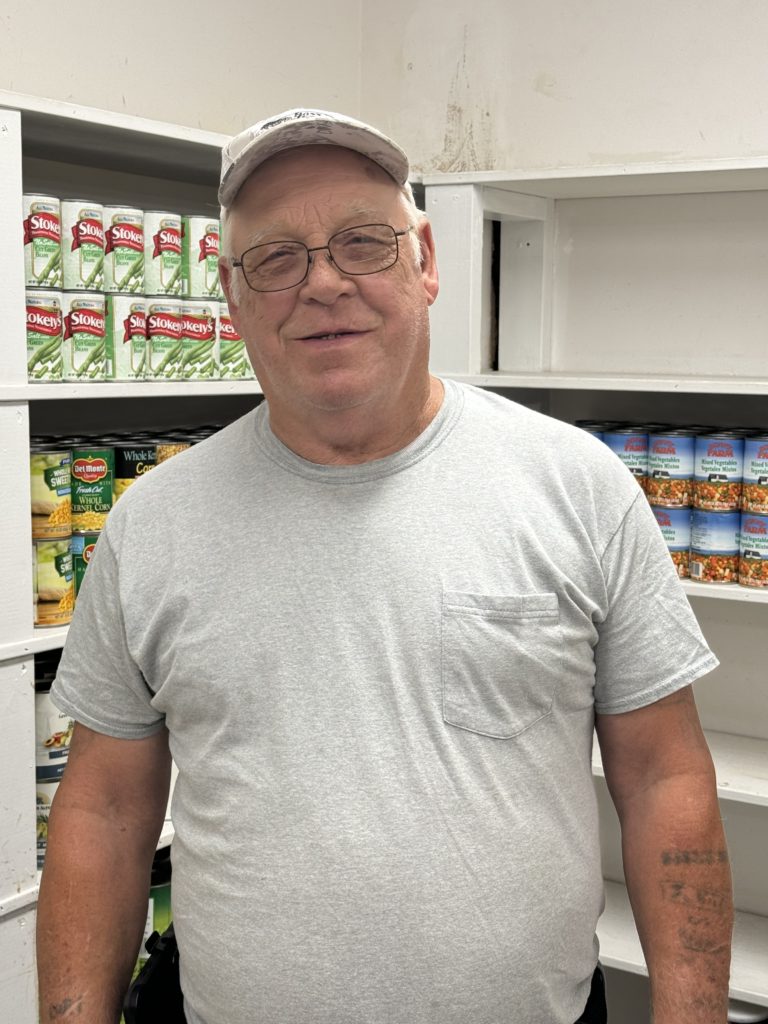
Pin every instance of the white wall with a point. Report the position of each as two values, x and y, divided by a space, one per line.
546 83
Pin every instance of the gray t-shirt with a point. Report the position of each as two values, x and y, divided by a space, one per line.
379 683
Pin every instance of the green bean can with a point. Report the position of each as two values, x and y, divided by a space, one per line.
164 344
44 335
233 358
83 545
200 345
82 229
162 253
84 346
200 257
93 475
126 337
123 249
42 241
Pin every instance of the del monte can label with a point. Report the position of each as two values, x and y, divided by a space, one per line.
162 253
82 225
93 471
123 249
42 241
84 348
44 333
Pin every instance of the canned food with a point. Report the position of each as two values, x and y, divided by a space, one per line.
42 241
162 253
83 545
200 257
51 489
167 449
53 733
123 249
93 472
82 225
164 343
233 357
199 354
45 794
54 590
84 346
44 336
631 447
670 468
675 525
753 550
715 546
126 337
754 495
132 460
717 471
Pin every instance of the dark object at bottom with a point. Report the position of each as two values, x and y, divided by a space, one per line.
596 1011
155 995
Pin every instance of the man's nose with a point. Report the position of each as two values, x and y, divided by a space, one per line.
324 277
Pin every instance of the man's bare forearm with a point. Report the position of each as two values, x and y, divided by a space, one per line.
679 882
91 912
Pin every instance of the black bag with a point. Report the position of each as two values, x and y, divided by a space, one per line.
155 994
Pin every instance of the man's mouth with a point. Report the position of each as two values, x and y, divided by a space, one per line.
331 336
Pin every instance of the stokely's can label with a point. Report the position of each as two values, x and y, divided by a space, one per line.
51 488
54 586
126 337
42 241
164 344
753 550
718 470
123 249
200 345
675 526
200 257
233 358
131 462
82 229
93 474
44 335
714 546
84 345
83 546
631 447
670 468
162 253
754 496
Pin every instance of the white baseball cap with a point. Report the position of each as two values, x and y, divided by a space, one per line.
302 127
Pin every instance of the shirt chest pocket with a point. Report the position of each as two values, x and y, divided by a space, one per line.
500 661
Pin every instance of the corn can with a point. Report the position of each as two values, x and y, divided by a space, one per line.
44 335
84 347
162 253
753 550
82 229
123 249
200 257
164 343
54 585
200 344
126 337
42 241
233 358
83 545
93 474
132 460
51 489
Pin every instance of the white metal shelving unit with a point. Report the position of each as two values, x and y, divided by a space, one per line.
634 293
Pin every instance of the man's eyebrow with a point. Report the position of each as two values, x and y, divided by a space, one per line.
354 216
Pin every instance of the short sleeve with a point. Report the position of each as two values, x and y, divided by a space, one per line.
98 682
650 643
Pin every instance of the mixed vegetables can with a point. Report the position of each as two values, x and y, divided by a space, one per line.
718 469
42 241
670 468
675 526
753 550
714 546
755 486
631 447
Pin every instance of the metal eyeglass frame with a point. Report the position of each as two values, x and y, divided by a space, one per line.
321 248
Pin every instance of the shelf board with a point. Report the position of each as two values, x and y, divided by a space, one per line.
641 179
127 389
613 382
741 767
49 639
726 592
620 946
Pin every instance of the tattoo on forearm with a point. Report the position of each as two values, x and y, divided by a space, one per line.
706 901
694 857
67 1009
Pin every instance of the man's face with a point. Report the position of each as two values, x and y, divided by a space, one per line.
334 342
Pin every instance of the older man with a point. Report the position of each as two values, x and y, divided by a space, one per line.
375 635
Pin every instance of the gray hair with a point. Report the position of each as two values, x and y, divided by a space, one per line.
415 217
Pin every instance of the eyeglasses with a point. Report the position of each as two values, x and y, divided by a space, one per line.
360 250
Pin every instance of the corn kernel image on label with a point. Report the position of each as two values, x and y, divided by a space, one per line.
93 473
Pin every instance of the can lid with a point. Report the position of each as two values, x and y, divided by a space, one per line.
674 432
